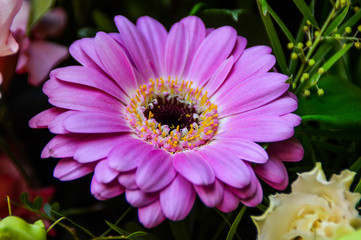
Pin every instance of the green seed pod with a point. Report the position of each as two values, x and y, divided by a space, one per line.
15 228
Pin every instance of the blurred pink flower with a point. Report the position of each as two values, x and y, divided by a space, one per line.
8 44
37 56
165 116
12 185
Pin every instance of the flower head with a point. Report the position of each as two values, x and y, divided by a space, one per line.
165 116
316 208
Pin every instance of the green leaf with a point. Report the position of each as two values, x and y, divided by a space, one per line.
282 25
24 199
339 108
275 42
103 22
235 224
350 22
352 236
137 234
38 8
117 229
356 165
305 10
264 6
336 22
38 202
329 63
197 8
234 14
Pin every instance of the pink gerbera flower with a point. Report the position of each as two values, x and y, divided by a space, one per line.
165 116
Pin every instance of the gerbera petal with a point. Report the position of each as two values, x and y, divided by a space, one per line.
211 195
227 167
92 78
56 126
68 169
97 147
138 198
156 171
278 107
219 76
79 54
256 198
194 168
290 150
177 208
239 47
127 179
134 43
215 48
127 155
91 122
155 35
254 60
78 97
273 172
248 95
258 129
243 148
61 146
103 173
42 120
115 62
151 215
292 118
196 32
176 50
103 191
229 202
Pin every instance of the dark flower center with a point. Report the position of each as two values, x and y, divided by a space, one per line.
172 113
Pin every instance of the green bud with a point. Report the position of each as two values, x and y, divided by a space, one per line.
356 8
290 45
320 92
337 36
15 228
348 29
359 28
309 43
317 33
305 28
294 55
311 62
307 93
321 70
305 76
300 45
357 45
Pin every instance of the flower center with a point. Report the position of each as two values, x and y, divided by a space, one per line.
172 115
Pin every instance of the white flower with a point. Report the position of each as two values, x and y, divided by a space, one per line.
315 209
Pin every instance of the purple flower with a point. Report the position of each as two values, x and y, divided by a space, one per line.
165 116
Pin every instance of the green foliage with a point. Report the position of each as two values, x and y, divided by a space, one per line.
38 8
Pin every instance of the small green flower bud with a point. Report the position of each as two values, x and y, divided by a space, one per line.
305 28
348 30
311 62
308 43
320 92
337 36
308 23
294 85
344 3
16 228
290 45
305 76
357 45
300 45
307 93
317 33
356 8
321 70
359 28
294 56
